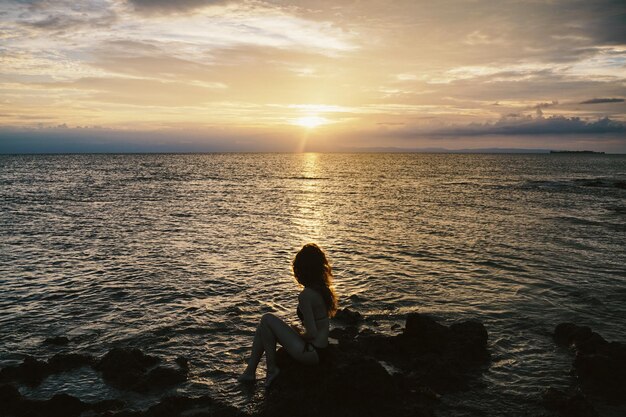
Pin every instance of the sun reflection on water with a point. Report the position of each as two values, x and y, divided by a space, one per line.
309 207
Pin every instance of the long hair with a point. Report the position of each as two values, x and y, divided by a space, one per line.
311 269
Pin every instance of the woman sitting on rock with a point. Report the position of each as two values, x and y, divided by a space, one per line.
316 304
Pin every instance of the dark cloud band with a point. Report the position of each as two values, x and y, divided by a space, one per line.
602 100
164 6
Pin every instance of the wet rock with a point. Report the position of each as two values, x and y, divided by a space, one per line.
183 362
344 335
57 341
161 377
9 399
105 406
353 377
575 405
433 355
31 372
175 406
566 334
60 405
63 405
428 335
591 344
132 369
468 342
599 365
342 385
125 368
348 316
66 361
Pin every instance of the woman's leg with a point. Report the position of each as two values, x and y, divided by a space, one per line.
255 355
288 338
270 330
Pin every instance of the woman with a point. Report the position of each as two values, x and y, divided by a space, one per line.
316 304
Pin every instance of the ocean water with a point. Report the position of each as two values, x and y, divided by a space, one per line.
181 255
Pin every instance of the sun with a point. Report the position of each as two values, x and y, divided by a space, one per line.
310 122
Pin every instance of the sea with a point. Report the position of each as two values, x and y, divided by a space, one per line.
181 254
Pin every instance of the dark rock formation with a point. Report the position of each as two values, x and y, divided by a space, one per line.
203 406
352 378
341 385
599 365
122 368
348 316
134 370
564 405
57 340
364 374
432 354
32 371
60 405
66 361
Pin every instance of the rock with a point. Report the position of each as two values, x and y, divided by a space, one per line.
174 406
468 341
564 405
66 361
344 335
599 365
161 377
183 362
107 405
565 334
349 317
431 354
125 368
57 341
31 372
9 399
427 358
427 333
341 386
134 370
170 407
364 374
589 344
63 405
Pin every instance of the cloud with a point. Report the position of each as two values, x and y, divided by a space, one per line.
539 106
528 125
166 6
602 100
63 22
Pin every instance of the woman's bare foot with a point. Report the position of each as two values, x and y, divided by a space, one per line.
247 376
271 376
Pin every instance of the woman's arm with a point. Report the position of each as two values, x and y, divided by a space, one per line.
306 307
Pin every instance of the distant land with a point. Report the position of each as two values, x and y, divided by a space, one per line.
468 150
167 150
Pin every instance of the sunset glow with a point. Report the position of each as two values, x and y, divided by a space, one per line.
310 121
409 74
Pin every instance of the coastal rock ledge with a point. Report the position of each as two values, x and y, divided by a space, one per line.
362 374
599 365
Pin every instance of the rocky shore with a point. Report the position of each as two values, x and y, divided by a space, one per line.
362 374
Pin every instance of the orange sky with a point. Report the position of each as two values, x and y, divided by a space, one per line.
333 75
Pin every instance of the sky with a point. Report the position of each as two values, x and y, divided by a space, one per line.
341 75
